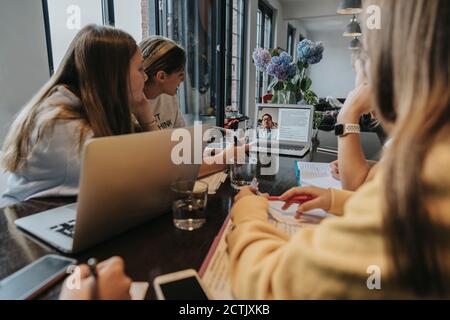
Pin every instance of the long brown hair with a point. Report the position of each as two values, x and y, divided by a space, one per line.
96 69
162 54
410 76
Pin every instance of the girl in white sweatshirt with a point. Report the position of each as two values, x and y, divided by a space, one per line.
85 98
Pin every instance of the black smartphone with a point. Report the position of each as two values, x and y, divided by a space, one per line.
183 285
35 278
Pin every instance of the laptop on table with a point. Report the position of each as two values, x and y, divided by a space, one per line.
124 182
283 129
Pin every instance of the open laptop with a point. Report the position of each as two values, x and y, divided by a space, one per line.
124 182
283 129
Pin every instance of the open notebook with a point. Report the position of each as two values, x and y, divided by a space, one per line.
216 268
317 175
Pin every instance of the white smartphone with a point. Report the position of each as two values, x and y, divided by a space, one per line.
35 278
183 285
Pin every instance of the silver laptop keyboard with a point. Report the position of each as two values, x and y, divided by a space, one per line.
282 147
291 147
67 228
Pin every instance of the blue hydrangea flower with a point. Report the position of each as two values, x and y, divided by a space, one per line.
310 52
285 58
281 67
261 58
276 60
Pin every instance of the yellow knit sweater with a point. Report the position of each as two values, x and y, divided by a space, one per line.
334 260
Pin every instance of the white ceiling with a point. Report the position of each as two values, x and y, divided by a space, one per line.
334 23
315 15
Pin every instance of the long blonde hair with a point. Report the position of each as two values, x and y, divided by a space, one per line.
96 69
410 76
162 54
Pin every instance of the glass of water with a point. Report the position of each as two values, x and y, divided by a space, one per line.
189 206
244 174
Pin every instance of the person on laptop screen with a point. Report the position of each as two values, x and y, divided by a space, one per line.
85 98
267 128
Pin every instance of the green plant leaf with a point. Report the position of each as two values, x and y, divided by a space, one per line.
311 98
292 87
306 84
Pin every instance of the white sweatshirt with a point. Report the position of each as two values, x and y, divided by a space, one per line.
166 113
53 167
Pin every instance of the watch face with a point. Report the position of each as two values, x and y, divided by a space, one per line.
339 129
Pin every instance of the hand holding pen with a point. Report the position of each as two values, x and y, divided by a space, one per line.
295 199
315 198
106 280
301 199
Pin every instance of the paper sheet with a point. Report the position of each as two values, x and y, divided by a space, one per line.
317 175
215 181
216 268
288 216
138 290
215 271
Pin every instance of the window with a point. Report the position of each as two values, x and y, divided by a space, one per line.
129 16
211 31
235 55
264 39
65 19
291 39
192 24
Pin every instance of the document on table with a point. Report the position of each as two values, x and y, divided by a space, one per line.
215 271
288 216
138 290
214 181
317 175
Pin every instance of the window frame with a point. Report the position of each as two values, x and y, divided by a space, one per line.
266 11
109 18
291 36
48 37
242 53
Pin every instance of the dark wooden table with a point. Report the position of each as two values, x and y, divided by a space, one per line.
149 250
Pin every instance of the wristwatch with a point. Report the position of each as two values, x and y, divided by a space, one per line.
341 130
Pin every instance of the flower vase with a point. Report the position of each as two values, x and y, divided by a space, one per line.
283 97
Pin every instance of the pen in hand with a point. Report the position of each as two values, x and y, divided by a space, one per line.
92 264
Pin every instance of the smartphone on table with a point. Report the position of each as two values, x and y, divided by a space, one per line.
34 279
183 285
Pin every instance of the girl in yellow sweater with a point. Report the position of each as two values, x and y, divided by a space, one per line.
392 239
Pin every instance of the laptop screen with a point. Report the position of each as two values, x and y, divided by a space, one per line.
284 124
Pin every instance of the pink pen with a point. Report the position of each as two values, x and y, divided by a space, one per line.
295 199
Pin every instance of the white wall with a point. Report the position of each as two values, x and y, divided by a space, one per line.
23 56
334 75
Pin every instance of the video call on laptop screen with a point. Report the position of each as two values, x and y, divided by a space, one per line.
292 125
